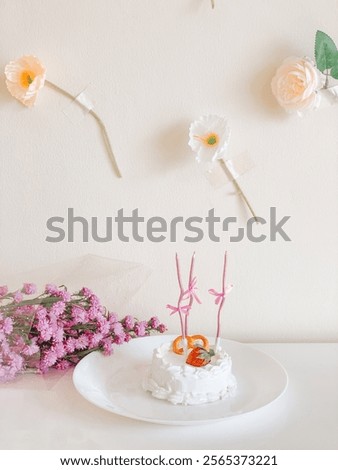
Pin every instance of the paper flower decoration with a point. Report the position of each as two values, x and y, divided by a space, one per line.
209 138
296 84
300 83
26 76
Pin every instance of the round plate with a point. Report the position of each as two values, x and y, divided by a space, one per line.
114 384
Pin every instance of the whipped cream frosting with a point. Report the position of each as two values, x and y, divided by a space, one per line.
170 378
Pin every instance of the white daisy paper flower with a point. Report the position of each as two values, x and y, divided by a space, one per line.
209 138
24 78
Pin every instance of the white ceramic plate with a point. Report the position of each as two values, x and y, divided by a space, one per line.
114 384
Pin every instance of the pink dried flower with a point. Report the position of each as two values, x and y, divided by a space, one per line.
107 346
63 365
104 326
79 314
162 328
117 328
7 326
58 334
51 289
120 338
30 349
29 288
50 358
95 340
70 345
17 296
128 322
59 350
82 342
112 318
41 313
154 322
58 308
45 329
94 313
86 292
15 361
140 328
3 290
65 295
127 337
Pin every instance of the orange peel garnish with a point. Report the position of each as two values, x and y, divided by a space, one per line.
194 341
177 344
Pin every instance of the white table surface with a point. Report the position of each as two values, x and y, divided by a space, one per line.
48 413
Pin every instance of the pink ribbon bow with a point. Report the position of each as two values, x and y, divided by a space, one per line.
220 295
190 292
185 309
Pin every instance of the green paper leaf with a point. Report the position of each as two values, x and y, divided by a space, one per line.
325 51
334 71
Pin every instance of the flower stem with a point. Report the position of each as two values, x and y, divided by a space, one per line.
98 120
229 174
212 3
36 301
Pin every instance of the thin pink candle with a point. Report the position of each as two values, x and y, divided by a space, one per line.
220 297
185 300
218 332
179 278
191 276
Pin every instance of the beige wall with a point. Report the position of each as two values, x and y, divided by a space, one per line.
157 65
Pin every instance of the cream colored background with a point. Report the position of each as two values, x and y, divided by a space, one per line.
158 65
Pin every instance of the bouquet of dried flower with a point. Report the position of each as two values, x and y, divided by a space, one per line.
56 329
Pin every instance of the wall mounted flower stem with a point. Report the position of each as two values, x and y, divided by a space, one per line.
97 119
26 76
229 174
209 139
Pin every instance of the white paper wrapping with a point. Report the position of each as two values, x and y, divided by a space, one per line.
115 282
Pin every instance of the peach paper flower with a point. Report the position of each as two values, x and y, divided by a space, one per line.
24 78
296 85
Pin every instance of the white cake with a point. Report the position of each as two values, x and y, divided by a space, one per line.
170 378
